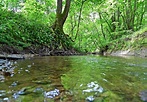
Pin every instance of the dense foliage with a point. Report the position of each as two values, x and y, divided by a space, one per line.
18 31
106 23
91 24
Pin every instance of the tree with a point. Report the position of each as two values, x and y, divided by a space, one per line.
62 41
61 16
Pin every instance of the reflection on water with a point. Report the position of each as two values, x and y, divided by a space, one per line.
76 79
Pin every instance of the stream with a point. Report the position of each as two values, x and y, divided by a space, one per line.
76 79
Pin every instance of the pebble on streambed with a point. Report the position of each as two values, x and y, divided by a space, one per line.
90 99
52 94
143 95
6 69
92 87
20 92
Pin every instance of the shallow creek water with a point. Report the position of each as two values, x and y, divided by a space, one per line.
76 79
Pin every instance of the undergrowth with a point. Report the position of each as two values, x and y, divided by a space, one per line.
18 31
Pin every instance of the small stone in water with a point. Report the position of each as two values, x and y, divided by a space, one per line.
143 95
90 99
2 93
81 85
91 84
15 95
14 83
6 99
100 90
15 62
93 87
52 94
88 90
18 93
38 90
29 66
27 70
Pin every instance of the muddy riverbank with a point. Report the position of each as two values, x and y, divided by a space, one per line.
10 51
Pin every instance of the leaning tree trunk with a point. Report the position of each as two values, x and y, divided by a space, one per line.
61 39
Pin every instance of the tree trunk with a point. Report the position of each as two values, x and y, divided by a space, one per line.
61 40
61 16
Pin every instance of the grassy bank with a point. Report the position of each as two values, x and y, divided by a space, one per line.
19 33
134 44
15 30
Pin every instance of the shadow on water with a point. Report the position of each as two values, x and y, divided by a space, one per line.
76 79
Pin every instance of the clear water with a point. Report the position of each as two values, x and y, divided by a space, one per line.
78 79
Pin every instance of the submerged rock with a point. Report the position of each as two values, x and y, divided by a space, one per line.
5 65
6 99
93 87
2 93
38 90
90 99
6 69
20 92
52 94
14 83
143 95
2 62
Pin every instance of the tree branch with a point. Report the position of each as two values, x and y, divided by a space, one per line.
66 10
59 7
